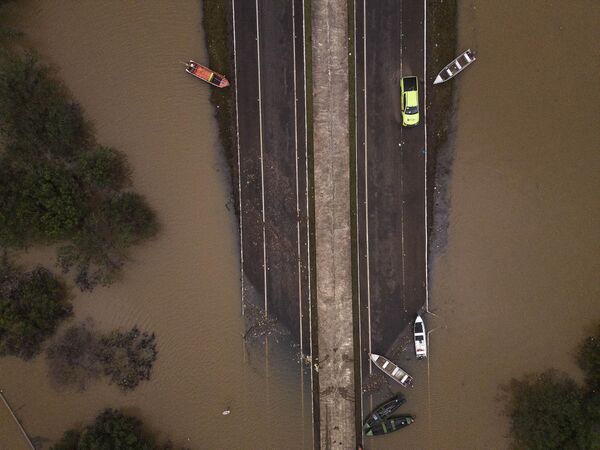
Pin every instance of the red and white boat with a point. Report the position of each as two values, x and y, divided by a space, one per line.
206 74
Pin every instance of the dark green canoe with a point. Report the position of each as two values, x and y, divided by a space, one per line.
390 425
383 411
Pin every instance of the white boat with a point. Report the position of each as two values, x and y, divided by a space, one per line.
420 338
459 64
392 370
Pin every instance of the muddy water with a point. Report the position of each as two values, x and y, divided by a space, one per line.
122 61
518 285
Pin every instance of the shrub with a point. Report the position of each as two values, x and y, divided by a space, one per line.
111 430
32 304
546 413
73 358
103 168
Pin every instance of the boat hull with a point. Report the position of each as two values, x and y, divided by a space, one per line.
205 74
420 337
390 425
392 370
383 411
458 64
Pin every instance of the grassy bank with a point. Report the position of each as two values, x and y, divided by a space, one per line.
218 32
441 49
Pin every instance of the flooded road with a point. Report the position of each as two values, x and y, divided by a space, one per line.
122 62
517 288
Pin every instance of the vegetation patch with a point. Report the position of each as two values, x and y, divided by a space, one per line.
57 185
82 354
32 304
111 430
550 411
218 29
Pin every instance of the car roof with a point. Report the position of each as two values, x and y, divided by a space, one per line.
412 98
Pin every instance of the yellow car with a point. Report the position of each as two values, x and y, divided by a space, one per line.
409 98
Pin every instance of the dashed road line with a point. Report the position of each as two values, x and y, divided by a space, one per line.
237 134
262 166
367 182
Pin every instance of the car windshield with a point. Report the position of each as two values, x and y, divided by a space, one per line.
412 109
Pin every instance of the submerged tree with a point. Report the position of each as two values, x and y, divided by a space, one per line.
127 357
103 168
111 430
32 304
551 411
73 358
546 413
57 185
82 354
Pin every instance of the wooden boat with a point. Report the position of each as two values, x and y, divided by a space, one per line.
383 411
390 425
206 74
459 64
420 338
392 370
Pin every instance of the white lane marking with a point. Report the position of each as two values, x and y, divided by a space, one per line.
262 164
309 291
357 211
299 261
425 131
367 182
403 261
401 31
237 131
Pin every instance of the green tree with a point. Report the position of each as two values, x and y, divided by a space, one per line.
99 250
111 430
32 304
37 116
130 219
103 168
42 203
547 413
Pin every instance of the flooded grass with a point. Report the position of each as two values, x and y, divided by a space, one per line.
218 29
441 49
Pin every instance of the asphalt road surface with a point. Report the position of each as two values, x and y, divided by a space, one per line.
390 173
270 93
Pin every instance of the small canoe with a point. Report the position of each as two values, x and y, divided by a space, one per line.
420 338
460 63
206 74
390 425
392 370
383 411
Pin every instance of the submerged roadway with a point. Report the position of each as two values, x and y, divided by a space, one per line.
275 163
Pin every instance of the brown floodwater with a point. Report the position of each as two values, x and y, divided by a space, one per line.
122 61
514 292
517 287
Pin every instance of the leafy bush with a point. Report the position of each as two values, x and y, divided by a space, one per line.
73 358
57 185
112 430
551 411
32 304
546 413
103 168
38 117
